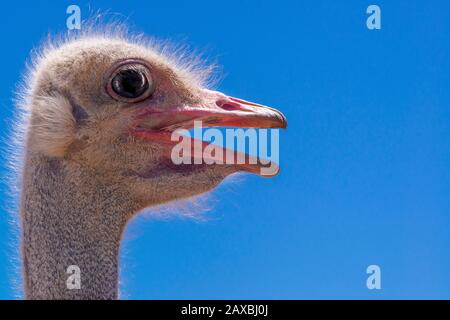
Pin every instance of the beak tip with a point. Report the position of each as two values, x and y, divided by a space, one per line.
283 123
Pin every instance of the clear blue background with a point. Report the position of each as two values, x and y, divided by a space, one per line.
365 161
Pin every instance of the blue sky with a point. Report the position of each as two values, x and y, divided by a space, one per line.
365 161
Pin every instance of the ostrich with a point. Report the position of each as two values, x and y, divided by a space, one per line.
100 113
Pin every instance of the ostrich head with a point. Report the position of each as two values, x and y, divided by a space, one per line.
110 106
98 150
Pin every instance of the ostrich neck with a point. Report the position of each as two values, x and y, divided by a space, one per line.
69 218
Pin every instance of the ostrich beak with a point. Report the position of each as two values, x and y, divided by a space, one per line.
217 110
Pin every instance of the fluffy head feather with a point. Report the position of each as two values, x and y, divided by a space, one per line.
57 57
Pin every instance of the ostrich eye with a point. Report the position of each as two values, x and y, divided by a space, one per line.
131 83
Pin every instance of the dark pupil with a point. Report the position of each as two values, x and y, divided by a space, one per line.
129 83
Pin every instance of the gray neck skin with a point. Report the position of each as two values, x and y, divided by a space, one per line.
69 218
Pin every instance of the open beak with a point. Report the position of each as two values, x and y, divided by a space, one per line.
217 110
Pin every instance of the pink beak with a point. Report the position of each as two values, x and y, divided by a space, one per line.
219 110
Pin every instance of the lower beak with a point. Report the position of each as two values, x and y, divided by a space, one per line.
217 110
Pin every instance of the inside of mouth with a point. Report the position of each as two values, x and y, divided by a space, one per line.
245 148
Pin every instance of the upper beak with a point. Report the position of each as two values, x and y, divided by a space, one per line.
233 112
217 110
